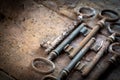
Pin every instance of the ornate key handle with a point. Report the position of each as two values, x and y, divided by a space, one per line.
109 15
42 65
86 13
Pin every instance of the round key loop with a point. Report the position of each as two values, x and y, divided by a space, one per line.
109 15
114 28
115 48
87 12
48 77
43 65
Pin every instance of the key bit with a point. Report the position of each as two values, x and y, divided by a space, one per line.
80 66
85 31
68 48
97 46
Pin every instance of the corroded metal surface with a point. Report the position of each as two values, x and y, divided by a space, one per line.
24 24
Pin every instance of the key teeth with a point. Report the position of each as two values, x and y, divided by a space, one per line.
80 66
68 49
97 46
85 31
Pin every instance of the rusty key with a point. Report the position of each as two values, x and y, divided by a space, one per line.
66 71
114 60
84 13
110 39
107 16
47 63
